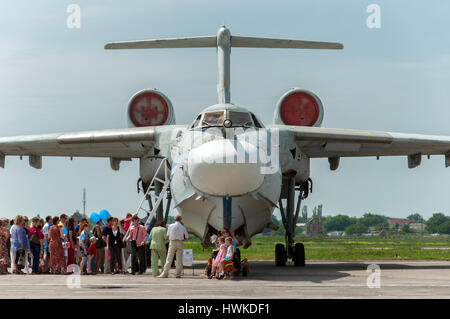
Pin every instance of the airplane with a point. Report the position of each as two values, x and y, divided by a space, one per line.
227 169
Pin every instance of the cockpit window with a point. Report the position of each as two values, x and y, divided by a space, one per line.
240 118
197 120
213 118
217 118
255 120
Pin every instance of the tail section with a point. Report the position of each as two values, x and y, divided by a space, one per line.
223 41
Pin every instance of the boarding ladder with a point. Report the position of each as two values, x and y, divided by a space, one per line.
158 198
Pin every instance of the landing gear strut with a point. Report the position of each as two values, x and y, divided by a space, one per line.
295 252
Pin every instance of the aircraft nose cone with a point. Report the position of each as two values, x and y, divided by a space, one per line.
221 168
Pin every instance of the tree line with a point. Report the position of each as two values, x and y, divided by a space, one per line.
437 223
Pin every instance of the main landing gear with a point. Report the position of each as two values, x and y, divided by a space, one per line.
289 215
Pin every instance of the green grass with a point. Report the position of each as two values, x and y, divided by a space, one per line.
361 248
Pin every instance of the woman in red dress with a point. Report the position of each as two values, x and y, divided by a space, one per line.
4 258
56 263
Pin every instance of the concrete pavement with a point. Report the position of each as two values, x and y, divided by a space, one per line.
319 279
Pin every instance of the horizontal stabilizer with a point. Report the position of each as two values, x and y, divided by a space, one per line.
249 42
211 41
193 42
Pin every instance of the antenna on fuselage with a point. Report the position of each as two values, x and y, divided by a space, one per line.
223 41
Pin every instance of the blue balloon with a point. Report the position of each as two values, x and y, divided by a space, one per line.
65 232
94 217
104 214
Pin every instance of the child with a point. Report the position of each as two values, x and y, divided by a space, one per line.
84 240
228 257
220 255
66 248
92 253
214 252
216 249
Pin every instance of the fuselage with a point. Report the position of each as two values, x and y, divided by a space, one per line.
225 172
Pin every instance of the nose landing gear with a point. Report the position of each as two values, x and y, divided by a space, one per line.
295 252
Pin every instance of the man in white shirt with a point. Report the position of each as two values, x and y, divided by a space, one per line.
176 233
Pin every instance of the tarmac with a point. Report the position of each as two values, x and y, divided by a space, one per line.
319 279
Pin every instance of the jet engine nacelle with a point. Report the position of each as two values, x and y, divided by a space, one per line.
149 107
299 107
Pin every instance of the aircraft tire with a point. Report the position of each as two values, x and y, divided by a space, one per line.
299 255
280 255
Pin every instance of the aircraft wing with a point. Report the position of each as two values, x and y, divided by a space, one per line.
117 144
318 142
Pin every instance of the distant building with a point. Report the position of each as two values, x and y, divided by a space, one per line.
372 229
417 227
335 233
393 222
314 224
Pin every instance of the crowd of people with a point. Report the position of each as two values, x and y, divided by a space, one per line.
54 245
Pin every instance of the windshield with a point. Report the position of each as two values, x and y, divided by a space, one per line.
213 118
240 118
217 118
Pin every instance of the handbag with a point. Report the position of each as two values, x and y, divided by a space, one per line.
21 258
100 243
34 238
133 242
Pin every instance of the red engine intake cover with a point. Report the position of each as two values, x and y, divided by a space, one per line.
299 107
148 109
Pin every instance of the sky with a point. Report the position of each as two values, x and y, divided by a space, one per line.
57 79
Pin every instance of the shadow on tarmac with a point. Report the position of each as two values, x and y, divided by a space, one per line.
267 271
323 271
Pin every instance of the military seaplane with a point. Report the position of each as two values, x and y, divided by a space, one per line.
227 169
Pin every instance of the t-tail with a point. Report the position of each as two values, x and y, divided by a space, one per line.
223 41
